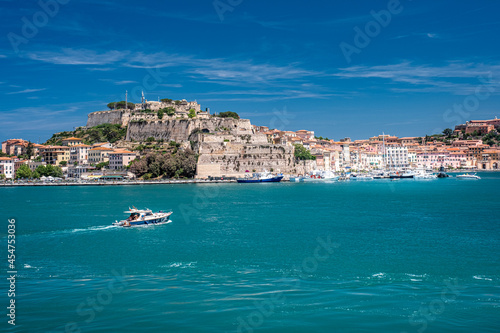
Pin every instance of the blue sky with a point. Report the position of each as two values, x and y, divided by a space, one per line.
422 67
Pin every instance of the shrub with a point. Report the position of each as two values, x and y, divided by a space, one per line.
228 114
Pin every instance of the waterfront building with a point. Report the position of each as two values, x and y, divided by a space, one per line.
412 158
98 155
396 156
55 154
490 159
477 150
79 154
8 165
119 159
345 155
76 171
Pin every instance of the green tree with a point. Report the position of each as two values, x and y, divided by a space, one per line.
150 139
160 113
301 153
228 114
121 105
170 111
102 165
166 100
24 172
30 150
192 113
448 132
41 170
112 105
2 176
63 163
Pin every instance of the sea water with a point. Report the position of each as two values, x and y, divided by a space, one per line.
375 256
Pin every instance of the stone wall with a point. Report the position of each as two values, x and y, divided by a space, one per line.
187 129
108 117
235 158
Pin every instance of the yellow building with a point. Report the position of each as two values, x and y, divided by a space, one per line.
55 154
98 155
71 141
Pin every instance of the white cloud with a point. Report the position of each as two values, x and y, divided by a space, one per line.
78 57
124 82
456 77
25 91
216 70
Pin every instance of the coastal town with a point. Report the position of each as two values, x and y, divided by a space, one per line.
223 145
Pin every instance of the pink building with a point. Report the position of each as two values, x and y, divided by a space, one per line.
119 159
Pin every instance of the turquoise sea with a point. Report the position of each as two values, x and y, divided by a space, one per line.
376 256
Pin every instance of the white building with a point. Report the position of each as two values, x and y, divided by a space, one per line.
396 157
7 167
79 154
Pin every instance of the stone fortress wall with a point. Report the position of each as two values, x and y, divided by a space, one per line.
226 146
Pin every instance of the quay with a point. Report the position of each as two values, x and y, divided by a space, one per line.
116 183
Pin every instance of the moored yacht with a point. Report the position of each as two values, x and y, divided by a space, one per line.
262 177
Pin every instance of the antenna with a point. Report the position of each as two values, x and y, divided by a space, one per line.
126 99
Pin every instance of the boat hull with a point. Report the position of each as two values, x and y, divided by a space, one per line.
164 218
152 221
400 176
276 179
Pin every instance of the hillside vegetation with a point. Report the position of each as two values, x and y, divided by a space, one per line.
101 133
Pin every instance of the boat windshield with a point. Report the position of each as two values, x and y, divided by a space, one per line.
133 216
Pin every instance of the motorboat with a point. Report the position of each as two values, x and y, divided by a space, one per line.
424 175
261 177
403 174
362 177
468 176
139 217
329 176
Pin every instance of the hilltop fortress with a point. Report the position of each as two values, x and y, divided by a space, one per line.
226 146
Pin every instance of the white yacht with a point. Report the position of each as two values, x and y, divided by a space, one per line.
468 176
142 217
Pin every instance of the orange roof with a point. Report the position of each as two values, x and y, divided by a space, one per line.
101 148
72 139
122 152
